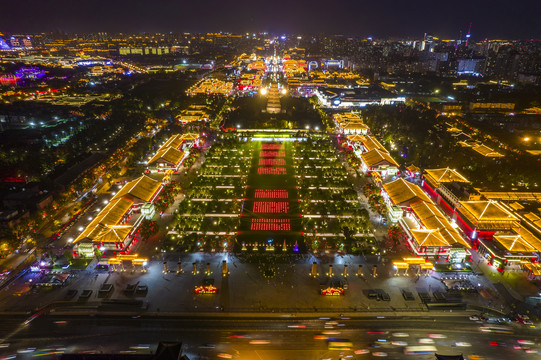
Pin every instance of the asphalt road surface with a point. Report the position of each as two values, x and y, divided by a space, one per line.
280 338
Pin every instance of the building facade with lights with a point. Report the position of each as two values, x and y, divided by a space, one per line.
358 97
483 218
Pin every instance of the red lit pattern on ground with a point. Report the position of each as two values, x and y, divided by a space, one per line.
271 207
270 225
271 194
271 154
271 171
272 146
271 162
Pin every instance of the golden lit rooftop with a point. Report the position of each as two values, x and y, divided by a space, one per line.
402 192
142 188
445 175
377 157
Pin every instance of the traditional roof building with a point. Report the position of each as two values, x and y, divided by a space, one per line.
438 176
350 123
429 233
140 190
486 151
448 187
355 128
194 113
108 229
371 143
516 245
378 161
172 153
413 170
175 141
481 219
403 193
165 159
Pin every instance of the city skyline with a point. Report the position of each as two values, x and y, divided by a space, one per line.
392 19
284 180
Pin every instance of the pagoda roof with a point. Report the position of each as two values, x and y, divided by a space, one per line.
402 192
513 243
486 151
490 210
433 219
112 233
430 238
371 143
111 214
445 175
174 141
413 169
377 157
170 155
142 188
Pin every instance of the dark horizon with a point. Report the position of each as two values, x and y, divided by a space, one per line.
392 19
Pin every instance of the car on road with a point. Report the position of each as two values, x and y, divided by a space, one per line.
420 350
361 351
401 334
296 326
339 344
399 343
478 317
524 319
32 318
259 342
496 329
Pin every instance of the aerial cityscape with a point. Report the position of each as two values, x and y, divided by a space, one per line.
278 191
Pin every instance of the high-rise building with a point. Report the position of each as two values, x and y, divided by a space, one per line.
15 44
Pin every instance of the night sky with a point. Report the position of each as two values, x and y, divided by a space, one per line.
508 19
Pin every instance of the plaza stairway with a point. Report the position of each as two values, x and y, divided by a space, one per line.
273 102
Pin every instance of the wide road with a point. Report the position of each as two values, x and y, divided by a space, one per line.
262 337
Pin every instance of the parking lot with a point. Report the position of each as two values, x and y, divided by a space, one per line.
246 287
